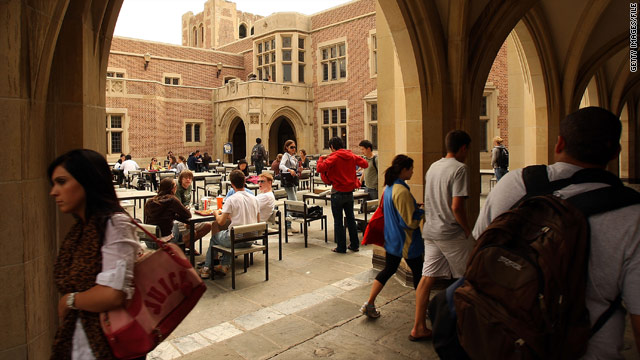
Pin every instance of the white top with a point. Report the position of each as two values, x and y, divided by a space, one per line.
117 165
180 167
445 179
266 201
614 260
242 208
119 252
288 162
129 165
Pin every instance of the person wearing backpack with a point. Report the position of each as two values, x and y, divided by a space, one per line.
370 175
258 154
499 158
589 138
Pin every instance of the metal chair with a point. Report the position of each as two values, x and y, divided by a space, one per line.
274 224
367 209
299 211
212 184
241 234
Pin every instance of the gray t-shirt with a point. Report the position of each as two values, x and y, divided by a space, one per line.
614 261
371 173
445 179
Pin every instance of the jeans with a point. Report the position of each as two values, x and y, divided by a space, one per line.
223 238
500 172
291 195
343 201
373 193
259 167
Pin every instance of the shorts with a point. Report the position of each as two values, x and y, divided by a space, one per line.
447 258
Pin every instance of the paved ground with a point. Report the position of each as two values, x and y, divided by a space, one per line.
308 309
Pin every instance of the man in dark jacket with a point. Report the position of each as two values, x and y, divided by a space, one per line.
339 169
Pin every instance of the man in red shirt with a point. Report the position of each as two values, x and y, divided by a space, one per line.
339 169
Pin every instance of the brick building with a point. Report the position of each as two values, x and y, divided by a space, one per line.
315 78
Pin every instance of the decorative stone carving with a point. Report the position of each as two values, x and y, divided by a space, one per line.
285 90
254 119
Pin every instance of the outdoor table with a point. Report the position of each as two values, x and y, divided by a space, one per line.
135 195
152 174
196 218
357 196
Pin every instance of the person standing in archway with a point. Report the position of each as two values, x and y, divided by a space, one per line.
258 155
499 158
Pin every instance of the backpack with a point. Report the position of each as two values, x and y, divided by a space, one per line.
524 290
256 154
503 158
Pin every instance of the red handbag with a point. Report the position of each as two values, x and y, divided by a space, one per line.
374 233
166 289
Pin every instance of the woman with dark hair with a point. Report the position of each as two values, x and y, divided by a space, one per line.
94 267
154 166
402 236
289 170
243 166
173 163
181 166
165 207
304 160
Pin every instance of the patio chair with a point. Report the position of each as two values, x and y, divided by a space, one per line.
212 184
171 175
274 224
299 211
305 179
281 196
245 233
366 212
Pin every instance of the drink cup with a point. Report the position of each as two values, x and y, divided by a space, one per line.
219 199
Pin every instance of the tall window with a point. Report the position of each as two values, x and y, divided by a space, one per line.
115 133
373 125
193 132
334 124
266 59
202 34
374 54
484 123
286 58
242 31
195 37
301 59
334 62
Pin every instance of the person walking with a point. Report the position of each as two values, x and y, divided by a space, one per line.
258 155
339 168
289 175
94 266
446 230
402 238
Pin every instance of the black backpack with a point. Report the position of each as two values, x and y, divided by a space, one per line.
256 154
503 158
524 290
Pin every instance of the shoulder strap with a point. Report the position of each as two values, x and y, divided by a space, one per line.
375 162
536 180
605 199
617 303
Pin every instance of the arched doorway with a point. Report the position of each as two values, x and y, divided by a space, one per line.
281 130
238 136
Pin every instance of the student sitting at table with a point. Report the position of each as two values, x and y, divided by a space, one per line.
243 166
241 209
165 207
180 166
153 166
266 199
206 160
185 187
275 165
173 163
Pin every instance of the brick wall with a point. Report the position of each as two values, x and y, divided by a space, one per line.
499 76
359 82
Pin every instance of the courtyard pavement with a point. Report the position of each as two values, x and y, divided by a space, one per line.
308 309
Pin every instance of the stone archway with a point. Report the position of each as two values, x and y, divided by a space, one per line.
238 138
281 130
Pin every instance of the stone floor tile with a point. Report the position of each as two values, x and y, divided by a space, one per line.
164 351
220 332
213 352
299 303
329 291
190 343
347 284
331 312
258 318
289 331
251 345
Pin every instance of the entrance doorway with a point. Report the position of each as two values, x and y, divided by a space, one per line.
281 131
238 139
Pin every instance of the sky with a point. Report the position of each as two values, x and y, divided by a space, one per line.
160 20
